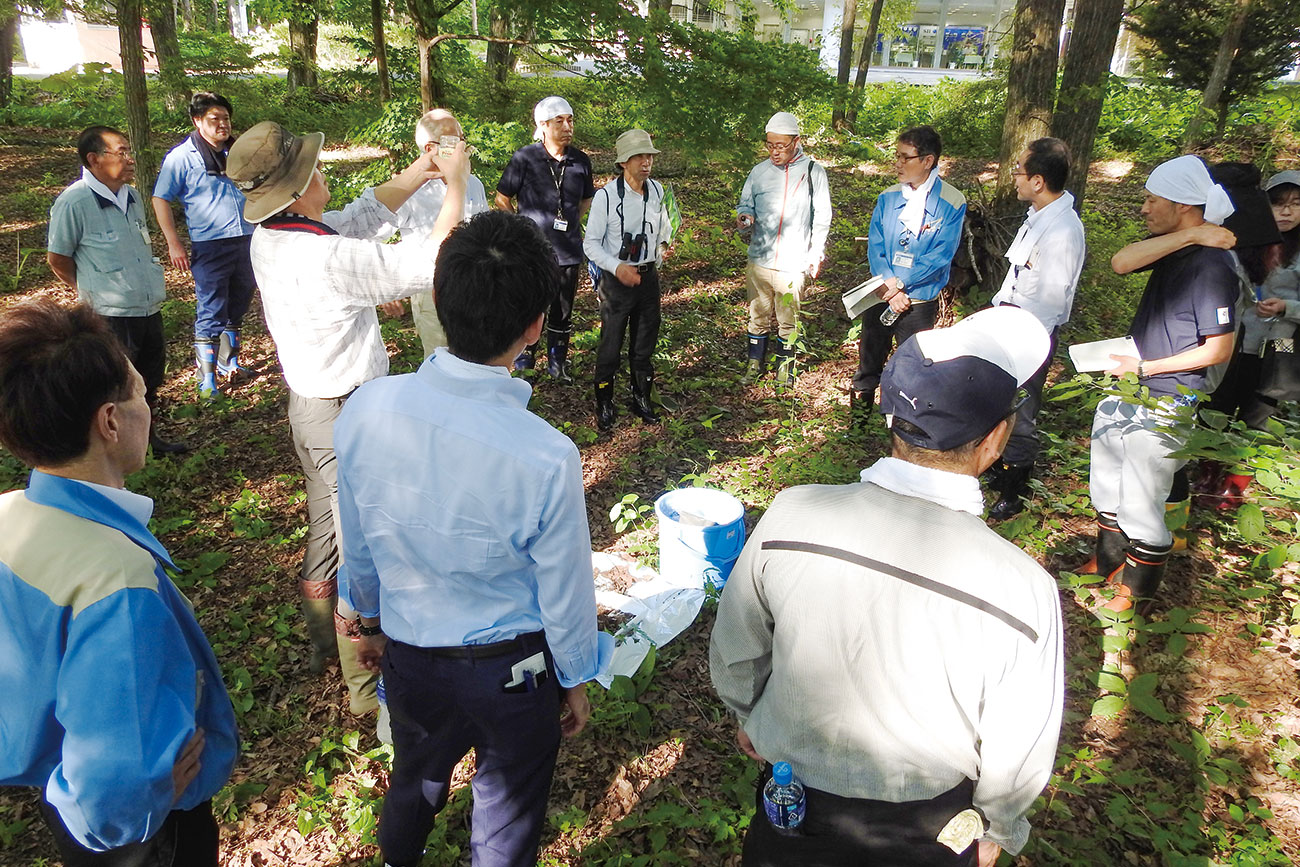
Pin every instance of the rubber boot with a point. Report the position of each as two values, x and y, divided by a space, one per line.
228 357
157 444
1178 507
639 398
1144 567
784 365
605 411
557 358
1232 493
205 364
361 684
861 405
757 358
1207 478
319 614
527 359
1108 558
1014 487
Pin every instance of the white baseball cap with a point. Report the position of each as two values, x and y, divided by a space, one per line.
551 107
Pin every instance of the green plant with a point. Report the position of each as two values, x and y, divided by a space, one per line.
628 511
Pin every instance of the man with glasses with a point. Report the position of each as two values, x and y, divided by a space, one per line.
194 172
786 201
550 183
99 245
1045 260
915 688
915 230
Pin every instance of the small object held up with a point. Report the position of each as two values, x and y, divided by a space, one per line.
962 829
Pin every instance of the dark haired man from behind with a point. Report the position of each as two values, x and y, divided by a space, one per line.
194 173
114 705
467 554
1045 260
99 245
912 675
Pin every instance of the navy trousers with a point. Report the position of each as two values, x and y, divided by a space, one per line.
223 284
878 340
441 706
187 838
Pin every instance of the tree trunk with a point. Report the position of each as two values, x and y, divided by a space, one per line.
377 9
426 15
864 59
1083 85
302 47
1212 98
498 53
186 12
1031 85
8 34
131 43
846 61
171 67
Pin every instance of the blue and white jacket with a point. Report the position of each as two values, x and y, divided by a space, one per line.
931 251
104 672
791 207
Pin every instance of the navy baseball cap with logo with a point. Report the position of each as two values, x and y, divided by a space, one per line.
955 384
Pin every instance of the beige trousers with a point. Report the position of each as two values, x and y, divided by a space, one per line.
426 323
773 294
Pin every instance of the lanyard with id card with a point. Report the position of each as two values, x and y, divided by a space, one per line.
902 258
560 224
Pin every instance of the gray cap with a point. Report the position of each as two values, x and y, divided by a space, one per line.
1290 176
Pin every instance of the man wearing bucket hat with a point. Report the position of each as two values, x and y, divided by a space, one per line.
628 233
1184 325
321 276
470 559
915 689
786 201
550 183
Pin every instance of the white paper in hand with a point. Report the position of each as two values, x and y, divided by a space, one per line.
1089 357
863 297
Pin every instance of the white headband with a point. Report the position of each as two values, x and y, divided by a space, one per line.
1187 181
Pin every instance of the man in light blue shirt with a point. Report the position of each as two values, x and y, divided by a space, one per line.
194 172
465 538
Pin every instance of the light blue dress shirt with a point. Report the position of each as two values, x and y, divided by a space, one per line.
214 206
463 515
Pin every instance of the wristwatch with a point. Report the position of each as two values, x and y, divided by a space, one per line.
377 629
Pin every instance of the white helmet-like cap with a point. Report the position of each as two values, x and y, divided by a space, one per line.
783 123
552 106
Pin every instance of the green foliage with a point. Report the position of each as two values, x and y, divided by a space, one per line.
967 115
215 54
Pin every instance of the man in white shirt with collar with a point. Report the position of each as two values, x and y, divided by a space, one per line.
321 275
914 687
1046 258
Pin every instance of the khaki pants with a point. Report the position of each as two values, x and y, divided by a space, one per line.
773 293
426 323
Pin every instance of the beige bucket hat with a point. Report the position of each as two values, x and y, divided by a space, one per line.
272 167
631 143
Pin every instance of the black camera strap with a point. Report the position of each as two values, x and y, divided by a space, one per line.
645 208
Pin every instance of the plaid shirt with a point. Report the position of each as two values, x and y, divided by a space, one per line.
319 294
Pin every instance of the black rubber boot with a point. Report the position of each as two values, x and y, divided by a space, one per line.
784 365
1014 487
861 405
527 359
1144 567
228 357
605 411
205 364
639 399
157 444
1108 557
557 358
757 358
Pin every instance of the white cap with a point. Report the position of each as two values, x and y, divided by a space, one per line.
551 107
783 123
1187 181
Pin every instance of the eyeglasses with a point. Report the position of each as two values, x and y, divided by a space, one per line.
1018 172
124 153
1021 398
902 158
780 147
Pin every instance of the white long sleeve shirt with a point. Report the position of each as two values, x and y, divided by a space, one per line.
604 235
888 644
1046 259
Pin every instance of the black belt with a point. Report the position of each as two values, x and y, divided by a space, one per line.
518 644
644 267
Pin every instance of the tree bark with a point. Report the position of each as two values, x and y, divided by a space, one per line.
377 9
498 53
864 59
303 25
1031 86
171 67
1212 98
8 33
426 16
131 44
846 61
1083 85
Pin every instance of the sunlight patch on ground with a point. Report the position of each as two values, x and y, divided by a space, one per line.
1113 170
356 153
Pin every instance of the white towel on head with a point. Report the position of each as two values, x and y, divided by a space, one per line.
1187 181
913 216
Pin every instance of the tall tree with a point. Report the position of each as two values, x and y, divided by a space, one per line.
1031 85
171 66
850 14
1218 80
1083 84
427 17
8 37
864 59
303 24
129 20
378 8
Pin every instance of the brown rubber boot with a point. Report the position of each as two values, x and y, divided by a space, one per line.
319 614
361 684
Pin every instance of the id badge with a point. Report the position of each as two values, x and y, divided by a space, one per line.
903 260
560 224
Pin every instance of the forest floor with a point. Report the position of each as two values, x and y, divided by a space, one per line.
1181 740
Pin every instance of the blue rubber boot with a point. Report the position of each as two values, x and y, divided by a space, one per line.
205 361
228 357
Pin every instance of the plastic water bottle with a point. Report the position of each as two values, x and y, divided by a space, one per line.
890 316
783 800
383 728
